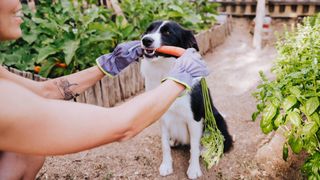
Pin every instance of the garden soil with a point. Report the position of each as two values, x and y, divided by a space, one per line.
234 68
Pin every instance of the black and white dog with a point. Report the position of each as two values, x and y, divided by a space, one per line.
183 123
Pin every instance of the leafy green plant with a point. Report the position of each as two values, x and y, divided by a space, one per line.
63 38
195 15
291 100
312 166
56 34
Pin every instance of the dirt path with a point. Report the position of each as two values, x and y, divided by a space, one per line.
234 76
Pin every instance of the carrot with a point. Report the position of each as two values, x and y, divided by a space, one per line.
37 69
171 50
62 65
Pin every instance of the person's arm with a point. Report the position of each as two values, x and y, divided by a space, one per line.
65 87
35 125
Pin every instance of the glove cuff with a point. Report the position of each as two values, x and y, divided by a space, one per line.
185 81
100 65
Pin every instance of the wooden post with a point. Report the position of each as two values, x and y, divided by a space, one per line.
228 9
260 13
32 5
108 4
117 9
85 4
247 10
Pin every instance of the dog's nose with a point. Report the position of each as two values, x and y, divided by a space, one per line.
147 41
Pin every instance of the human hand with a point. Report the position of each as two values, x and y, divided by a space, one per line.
123 55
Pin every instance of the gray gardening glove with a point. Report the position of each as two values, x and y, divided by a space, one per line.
123 55
188 67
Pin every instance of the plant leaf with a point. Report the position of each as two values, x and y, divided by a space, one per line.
70 47
255 115
46 68
315 117
176 8
45 52
268 113
278 121
267 129
288 102
295 144
295 90
1 59
311 105
294 118
275 101
285 152
309 129
11 59
30 38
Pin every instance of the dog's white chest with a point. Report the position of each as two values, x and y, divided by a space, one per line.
177 118
155 70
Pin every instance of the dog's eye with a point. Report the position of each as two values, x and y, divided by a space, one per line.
166 32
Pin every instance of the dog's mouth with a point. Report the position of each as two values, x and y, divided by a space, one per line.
149 52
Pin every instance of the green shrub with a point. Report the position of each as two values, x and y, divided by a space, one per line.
59 33
196 15
291 100
76 36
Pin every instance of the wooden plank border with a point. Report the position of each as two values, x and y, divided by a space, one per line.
274 8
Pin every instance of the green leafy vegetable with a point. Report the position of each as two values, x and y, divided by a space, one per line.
212 139
297 85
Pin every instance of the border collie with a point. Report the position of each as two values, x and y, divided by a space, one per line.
182 124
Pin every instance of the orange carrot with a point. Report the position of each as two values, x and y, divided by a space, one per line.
37 69
62 65
171 50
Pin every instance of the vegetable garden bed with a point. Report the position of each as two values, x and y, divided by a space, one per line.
66 38
109 91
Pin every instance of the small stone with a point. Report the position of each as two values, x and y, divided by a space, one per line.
255 172
264 173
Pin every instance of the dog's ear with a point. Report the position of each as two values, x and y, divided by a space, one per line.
188 40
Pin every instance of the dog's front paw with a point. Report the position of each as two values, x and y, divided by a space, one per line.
194 172
165 169
174 143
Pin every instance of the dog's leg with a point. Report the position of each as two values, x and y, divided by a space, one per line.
174 143
166 165
195 130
